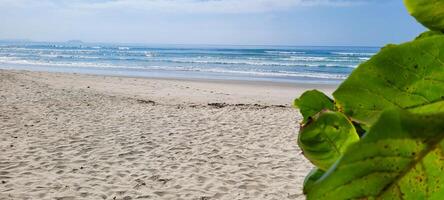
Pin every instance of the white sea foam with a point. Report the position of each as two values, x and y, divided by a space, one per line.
68 56
353 54
149 54
279 74
305 58
8 60
225 62
256 73
259 63
285 52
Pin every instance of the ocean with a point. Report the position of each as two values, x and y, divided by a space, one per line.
294 64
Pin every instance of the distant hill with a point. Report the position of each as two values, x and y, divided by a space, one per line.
75 41
15 40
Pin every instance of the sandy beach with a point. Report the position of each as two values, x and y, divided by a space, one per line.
73 136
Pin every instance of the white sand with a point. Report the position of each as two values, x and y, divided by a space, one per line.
70 136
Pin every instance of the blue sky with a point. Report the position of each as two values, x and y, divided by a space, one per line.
245 22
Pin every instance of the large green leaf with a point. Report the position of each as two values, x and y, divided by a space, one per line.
403 76
312 102
428 34
431 108
314 175
326 137
401 157
430 13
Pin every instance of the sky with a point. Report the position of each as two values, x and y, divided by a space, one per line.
219 22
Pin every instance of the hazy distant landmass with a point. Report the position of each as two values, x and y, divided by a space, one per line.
31 41
74 41
15 40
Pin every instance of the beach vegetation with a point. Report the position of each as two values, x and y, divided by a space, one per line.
381 135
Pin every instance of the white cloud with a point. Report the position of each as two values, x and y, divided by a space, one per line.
182 6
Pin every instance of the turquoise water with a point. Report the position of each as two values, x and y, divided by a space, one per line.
260 63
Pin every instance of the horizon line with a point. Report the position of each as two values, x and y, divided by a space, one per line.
74 41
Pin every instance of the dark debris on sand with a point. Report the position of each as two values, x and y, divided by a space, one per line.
254 106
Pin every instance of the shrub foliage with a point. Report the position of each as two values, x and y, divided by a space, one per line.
382 136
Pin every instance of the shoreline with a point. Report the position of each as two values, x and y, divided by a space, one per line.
310 83
190 90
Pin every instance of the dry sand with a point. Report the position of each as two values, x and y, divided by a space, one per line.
71 136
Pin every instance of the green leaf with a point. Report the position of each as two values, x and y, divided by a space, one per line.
428 34
312 102
432 108
314 175
326 137
401 157
400 76
430 13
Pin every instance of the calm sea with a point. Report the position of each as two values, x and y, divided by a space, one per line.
260 63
